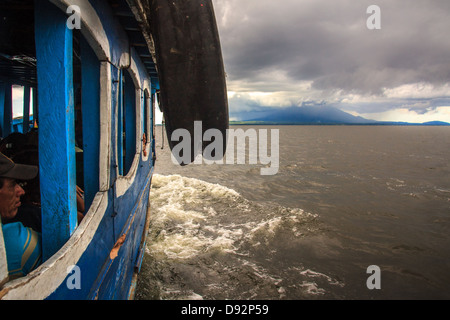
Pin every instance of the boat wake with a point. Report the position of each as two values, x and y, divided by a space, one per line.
208 242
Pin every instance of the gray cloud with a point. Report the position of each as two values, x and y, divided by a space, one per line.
328 44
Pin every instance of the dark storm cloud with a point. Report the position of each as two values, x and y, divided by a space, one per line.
328 43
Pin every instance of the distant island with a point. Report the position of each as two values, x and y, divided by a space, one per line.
319 115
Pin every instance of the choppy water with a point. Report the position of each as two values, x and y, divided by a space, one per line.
345 198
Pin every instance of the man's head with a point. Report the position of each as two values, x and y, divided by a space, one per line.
11 176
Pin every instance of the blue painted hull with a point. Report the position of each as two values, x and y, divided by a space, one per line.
102 277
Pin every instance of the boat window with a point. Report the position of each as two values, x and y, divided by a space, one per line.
18 101
87 121
18 105
155 102
39 129
22 102
145 120
128 121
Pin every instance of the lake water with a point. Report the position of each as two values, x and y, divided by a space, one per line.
344 198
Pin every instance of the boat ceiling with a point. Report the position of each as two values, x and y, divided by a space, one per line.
17 45
128 21
17 48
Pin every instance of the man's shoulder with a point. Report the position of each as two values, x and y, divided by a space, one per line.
22 246
13 229
15 235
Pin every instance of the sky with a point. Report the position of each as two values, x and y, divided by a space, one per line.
282 53
321 52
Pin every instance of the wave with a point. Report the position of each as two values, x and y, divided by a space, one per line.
191 216
207 241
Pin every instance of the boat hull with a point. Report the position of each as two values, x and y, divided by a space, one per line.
103 256
106 273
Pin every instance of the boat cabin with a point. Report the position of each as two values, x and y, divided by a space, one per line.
77 98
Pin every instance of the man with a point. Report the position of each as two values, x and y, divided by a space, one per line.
23 245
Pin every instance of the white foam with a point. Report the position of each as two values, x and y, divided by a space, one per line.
191 234
315 274
191 217
312 288
194 296
170 293
189 186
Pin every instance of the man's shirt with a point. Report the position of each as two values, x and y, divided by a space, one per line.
23 249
